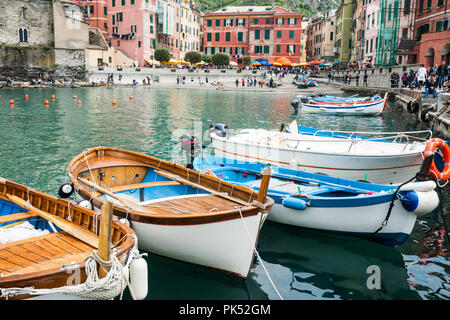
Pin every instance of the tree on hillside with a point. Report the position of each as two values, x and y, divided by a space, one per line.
220 59
247 60
162 55
193 57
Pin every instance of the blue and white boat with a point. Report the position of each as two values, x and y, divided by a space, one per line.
331 204
374 105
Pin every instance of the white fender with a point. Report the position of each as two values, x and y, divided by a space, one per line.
419 186
125 222
139 278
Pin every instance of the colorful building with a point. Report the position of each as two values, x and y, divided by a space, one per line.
432 32
96 14
268 32
131 28
344 20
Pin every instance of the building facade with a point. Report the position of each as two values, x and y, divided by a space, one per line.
432 32
268 32
96 12
344 21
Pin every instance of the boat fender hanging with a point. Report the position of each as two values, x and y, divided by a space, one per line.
65 190
432 146
139 278
294 104
85 204
295 203
424 114
412 106
419 186
420 202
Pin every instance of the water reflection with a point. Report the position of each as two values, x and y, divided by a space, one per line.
311 265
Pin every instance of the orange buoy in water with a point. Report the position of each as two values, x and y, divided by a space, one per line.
131 98
79 102
46 102
11 102
74 97
98 98
114 102
53 97
26 97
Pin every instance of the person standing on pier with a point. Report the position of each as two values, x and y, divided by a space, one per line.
365 79
442 74
421 76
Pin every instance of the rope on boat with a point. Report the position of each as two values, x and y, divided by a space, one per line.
107 288
257 254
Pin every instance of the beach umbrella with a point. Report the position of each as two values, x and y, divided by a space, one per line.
303 64
183 62
256 63
201 63
283 61
295 65
232 63
171 61
152 62
315 62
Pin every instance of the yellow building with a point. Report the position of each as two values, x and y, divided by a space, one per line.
344 21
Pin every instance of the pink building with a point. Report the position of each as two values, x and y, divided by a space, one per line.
132 28
257 31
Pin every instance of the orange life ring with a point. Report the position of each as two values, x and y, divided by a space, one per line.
210 173
430 149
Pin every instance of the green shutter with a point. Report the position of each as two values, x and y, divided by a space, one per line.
257 34
228 36
278 48
279 34
266 34
291 34
266 49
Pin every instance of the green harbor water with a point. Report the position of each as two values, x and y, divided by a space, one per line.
38 141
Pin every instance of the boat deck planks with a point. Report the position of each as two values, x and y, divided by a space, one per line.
39 253
195 205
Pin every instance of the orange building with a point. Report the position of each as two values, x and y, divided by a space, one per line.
432 31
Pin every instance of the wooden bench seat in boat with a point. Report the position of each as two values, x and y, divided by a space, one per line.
143 185
200 204
16 217
41 253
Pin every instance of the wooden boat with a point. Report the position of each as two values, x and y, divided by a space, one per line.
46 244
330 204
378 157
176 212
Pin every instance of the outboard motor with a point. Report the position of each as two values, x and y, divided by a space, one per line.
294 104
192 148
218 128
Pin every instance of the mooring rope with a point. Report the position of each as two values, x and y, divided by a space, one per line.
257 254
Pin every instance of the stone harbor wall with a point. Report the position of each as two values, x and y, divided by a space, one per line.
26 63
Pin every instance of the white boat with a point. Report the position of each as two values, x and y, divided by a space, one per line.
370 106
330 204
176 212
391 159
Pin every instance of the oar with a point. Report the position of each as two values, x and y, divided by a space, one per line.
130 204
195 185
74 230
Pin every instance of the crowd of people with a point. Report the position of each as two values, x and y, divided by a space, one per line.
433 79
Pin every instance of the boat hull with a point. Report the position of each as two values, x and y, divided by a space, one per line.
356 108
224 245
380 169
354 221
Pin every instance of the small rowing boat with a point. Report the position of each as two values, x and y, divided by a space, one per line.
53 249
176 212
330 204
340 106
